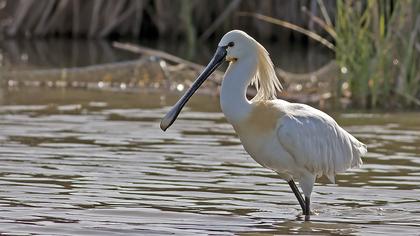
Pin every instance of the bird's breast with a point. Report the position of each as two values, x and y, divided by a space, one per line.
258 135
260 121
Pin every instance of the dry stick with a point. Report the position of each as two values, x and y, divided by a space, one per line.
64 24
125 26
331 67
23 8
325 13
313 11
55 18
159 16
40 28
289 25
231 7
138 19
123 17
76 17
34 16
95 17
110 12
113 16
330 30
189 29
114 9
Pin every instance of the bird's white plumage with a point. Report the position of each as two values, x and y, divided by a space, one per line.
295 140
317 142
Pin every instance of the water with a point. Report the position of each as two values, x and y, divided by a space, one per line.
80 162
59 53
62 53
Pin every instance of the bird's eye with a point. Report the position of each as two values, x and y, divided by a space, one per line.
231 44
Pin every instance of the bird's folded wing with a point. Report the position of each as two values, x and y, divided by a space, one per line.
318 144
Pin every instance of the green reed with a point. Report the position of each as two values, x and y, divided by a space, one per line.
376 47
377 50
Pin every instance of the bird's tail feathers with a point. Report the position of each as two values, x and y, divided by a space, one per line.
359 150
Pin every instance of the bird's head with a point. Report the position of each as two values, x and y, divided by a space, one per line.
238 44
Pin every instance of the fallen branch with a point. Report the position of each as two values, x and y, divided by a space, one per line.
152 52
330 29
325 73
86 74
291 26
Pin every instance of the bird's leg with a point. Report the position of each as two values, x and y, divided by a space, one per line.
298 195
307 211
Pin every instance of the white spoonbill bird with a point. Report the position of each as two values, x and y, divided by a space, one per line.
295 140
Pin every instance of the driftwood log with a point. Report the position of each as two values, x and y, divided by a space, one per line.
314 87
157 70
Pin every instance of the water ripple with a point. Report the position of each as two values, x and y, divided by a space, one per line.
94 168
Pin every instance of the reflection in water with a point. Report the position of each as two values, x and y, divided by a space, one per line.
60 53
95 162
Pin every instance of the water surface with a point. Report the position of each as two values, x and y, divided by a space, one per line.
62 53
80 162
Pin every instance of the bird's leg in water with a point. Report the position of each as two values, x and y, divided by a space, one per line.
298 195
307 211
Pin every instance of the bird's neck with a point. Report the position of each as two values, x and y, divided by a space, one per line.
233 100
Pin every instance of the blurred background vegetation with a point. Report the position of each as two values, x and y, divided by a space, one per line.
374 43
175 19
